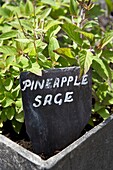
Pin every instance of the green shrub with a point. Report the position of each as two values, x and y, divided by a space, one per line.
50 34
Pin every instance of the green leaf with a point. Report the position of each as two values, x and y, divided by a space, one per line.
91 122
53 44
18 103
39 8
45 13
52 31
6 28
4 12
95 11
10 112
8 50
73 7
16 90
51 24
108 70
27 25
97 107
8 84
109 4
1 86
63 62
107 39
104 113
3 115
16 126
100 68
24 62
10 61
8 35
49 2
20 117
1 123
2 97
7 102
29 7
2 64
108 55
91 24
88 35
35 69
85 59
71 31
108 99
24 40
66 52
42 58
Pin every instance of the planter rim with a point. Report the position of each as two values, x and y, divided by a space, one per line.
36 159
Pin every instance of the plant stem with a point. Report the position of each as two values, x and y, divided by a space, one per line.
21 27
35 35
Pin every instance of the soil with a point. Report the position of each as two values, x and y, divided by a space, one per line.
21 139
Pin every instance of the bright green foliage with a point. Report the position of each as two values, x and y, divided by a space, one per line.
109 5
45 34
73 7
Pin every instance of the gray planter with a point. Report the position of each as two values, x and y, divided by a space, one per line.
92 151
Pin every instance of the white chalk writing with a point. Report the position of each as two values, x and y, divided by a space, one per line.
50 83
57 99
54 83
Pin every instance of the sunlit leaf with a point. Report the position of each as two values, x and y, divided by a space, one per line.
104 41
25 40
1 123
49 2
8 84
51 24
73 7
18 103
5 12
8 50
20 117
104 113
24 62
53 44
85 59
7 102
35 69
53 31
10 61
88 35
8 35
66 52
71 31
39 8
45 13
29 7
